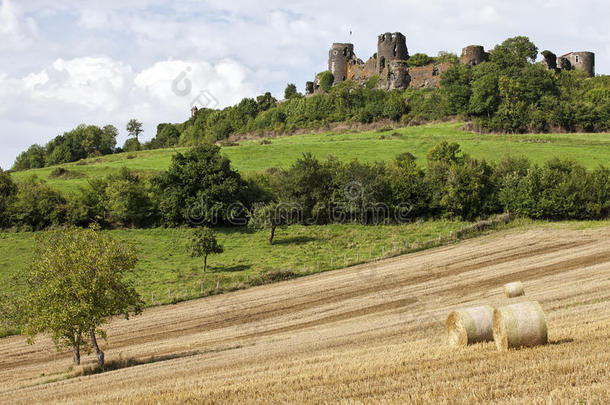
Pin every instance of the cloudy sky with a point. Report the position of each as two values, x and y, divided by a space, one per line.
67 62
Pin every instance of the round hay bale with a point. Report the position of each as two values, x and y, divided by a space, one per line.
512 290
519 325
470 325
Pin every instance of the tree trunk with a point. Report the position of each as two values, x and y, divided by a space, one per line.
205 262
76 351
98 352
272 235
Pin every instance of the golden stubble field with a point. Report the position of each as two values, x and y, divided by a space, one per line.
368 334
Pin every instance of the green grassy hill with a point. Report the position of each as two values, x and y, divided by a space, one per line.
165 262
588 149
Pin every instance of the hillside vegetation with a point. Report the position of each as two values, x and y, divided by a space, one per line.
589 150
165 262
371 333
508 93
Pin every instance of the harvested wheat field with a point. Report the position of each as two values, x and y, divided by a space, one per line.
373 333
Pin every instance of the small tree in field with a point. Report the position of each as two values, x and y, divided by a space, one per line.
271 216
134 128
75 284
203 244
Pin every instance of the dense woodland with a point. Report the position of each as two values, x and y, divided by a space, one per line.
200 187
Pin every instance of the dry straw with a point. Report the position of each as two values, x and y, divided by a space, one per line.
517 325
470 325
513 290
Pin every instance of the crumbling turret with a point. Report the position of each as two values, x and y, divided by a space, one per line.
391 47
339 58
473 55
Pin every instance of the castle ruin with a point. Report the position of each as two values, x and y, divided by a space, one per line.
578 60
390 65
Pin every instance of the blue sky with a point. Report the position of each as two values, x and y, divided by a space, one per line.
68 62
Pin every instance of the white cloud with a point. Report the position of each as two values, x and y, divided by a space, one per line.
16 31
101 90
94 83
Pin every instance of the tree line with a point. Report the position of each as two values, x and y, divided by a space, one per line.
84 141
201 188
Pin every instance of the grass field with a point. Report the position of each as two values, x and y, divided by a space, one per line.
590 150
165 263
372 333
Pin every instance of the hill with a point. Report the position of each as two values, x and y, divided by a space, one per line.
252 155
372 333
165 263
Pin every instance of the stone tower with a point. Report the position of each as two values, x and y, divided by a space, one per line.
473 55
338 60
580 60
391 47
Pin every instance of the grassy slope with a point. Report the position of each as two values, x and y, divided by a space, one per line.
588 149
165 262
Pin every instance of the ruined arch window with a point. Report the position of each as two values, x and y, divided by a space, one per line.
576 59
395 49
382 63
335 53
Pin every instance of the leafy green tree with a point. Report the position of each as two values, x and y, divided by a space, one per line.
75 284
308 184
514 53
199 186
265 101
8 191
127 199
33 158
395 105
485 97
134 128
204 243
90 204
167 136
598 193
131 145
290 91
446 152
37 205
407 184
272 216
326 80
469 192
456 84
419 59
447 57
360 193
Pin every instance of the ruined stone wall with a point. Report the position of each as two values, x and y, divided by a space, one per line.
579 60
390 47
362 72
425 77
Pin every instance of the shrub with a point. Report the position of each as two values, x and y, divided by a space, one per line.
326 80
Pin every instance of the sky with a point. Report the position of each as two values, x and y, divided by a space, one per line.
67 62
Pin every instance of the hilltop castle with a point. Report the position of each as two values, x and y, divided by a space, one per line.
391 66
